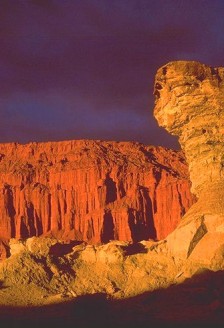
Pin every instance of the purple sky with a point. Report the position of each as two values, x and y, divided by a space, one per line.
73 69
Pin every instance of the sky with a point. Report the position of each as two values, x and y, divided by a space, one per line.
84 69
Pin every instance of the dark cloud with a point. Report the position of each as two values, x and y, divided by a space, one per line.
85 69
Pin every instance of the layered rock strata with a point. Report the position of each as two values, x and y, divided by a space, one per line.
91 190
190 104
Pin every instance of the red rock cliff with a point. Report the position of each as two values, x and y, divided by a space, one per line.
91 190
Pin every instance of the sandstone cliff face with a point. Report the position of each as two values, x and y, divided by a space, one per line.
91 190
190 103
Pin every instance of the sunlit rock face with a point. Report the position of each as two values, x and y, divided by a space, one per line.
92 191
189 103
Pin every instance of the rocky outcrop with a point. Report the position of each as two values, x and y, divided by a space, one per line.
91 190
190 104
76 269
43 270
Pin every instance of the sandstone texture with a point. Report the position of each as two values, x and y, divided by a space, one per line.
129 284
190 104
91 191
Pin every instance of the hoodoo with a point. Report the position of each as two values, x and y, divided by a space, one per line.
189 103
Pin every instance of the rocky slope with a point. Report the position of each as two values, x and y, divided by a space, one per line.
119 284
91 191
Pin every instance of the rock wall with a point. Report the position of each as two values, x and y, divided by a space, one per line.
91 190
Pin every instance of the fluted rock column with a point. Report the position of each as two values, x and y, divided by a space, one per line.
189 103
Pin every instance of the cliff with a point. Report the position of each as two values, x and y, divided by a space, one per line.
189 103
91 190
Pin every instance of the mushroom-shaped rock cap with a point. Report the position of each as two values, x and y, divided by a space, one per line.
186 91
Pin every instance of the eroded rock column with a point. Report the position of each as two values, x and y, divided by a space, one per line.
189 103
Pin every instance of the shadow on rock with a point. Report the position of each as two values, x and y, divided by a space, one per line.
198 302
